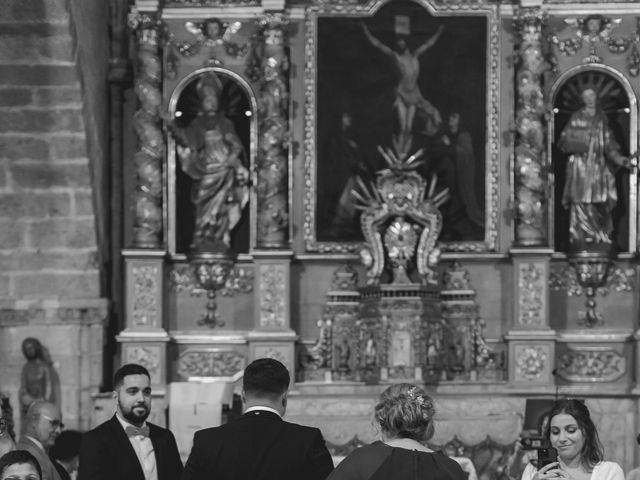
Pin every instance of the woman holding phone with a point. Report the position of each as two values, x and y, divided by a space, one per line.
573 435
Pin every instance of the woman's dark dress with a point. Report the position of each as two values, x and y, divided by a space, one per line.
379 461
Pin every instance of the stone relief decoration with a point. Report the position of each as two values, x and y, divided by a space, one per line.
591 365
149 358
400 222
531 362
148 128
212 38
531 285
268 68
145 294
596 32
591 280
239 281
209 363
530 154
272 295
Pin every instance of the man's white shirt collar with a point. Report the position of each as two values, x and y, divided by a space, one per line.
266 409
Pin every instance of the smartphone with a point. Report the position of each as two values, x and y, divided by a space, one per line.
546 456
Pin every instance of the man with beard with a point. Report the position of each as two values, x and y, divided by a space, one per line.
44 423
127 447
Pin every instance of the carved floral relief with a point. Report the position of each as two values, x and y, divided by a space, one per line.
272 295
531 287
145 294
531 362
592 365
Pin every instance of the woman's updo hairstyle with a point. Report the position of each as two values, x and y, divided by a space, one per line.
405 411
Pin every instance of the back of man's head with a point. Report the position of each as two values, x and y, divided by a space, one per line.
266 378
125 371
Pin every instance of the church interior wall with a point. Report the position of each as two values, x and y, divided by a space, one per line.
54 271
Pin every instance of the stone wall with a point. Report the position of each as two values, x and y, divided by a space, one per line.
49 272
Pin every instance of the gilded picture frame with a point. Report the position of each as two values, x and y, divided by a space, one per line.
463 32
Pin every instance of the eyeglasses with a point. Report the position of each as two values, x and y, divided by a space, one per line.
54 422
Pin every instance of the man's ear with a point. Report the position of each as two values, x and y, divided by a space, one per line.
284 399
114 395
243 397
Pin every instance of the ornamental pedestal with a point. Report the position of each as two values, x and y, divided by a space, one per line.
531 341
144 339
272 336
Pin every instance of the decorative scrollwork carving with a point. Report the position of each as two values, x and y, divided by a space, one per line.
206 363
592 365
183 280
595 30
148 357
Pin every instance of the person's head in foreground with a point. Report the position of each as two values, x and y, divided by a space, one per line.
405 411
265 383
19 465
67 449
572 432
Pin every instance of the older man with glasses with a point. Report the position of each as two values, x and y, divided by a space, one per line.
44 424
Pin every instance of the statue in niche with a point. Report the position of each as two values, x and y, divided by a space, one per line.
212 154
370 353
343 354
409 99
590 192
36 379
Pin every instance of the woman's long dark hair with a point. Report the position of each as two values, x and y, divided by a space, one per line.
592 452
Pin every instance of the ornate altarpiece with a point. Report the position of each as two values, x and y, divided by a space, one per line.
507 302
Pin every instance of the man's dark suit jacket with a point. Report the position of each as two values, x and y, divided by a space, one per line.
107 454
258 446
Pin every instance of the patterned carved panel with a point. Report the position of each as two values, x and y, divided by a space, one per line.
145 289
531 362
591 365
210 363
273 292
147 356
531 285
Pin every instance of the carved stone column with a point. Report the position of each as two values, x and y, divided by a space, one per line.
148 127
144 339
272 335
269 69
531 340
530 154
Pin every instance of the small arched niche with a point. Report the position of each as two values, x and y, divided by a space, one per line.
616 100
237 104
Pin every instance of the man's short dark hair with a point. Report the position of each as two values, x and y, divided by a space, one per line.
126 370
19 457
266 377
67 445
